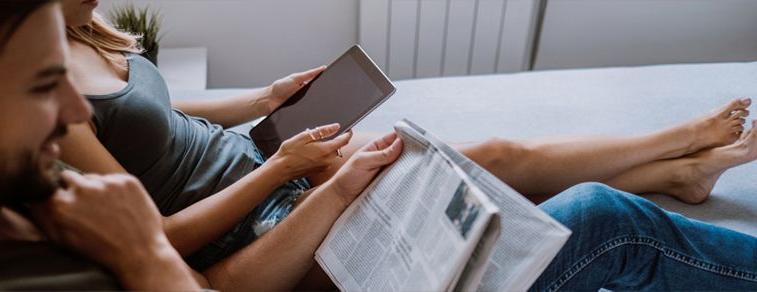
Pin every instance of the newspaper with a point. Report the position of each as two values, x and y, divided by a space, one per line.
434 221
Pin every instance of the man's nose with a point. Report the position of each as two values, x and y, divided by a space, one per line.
74 108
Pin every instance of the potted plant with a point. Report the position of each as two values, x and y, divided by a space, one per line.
142 22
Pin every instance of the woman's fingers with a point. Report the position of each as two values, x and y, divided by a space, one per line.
313 135
338 142
326 131
304 77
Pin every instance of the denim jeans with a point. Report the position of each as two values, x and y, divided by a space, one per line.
623 242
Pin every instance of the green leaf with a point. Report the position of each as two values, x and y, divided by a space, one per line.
144 22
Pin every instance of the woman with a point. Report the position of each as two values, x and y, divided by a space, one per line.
209 181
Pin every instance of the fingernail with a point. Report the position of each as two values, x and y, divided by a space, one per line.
746 100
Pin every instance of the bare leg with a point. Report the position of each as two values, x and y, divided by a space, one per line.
691 178
540 169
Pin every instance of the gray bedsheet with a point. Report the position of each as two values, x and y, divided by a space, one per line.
614 101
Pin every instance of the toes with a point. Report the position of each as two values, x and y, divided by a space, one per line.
735 136
745 134
745 102
739 114
749 133
737 129
737 122
734 105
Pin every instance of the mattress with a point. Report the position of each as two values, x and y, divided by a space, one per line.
607 101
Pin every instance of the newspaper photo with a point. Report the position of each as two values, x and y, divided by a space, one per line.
436 221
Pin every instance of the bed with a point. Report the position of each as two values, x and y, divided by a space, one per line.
608 101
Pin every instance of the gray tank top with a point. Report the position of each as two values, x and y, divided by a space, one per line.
180 159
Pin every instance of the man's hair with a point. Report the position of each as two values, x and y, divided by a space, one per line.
12 15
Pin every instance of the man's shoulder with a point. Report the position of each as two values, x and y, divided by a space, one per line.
43 265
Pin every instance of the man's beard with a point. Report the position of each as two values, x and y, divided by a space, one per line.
29 181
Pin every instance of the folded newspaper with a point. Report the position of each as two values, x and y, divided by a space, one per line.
436 221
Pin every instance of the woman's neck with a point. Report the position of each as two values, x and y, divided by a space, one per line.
92 74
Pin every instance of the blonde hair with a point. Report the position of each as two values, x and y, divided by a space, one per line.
105 39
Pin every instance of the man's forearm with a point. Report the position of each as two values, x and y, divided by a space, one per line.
156 269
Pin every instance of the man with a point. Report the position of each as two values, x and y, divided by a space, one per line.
37 102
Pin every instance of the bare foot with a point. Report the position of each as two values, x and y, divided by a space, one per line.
718 128
694 181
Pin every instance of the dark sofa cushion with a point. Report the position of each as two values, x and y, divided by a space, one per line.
28 265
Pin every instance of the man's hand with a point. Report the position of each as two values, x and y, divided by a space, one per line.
282 89
112 220
363 166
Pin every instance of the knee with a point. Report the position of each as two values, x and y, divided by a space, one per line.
594 210
589 203
498 151
592 193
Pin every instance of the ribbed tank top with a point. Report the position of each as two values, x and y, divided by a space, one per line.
180 159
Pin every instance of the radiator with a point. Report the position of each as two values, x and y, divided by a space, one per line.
430 38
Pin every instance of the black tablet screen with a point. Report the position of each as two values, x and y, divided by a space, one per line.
345 92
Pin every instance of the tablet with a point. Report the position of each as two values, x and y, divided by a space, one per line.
347 91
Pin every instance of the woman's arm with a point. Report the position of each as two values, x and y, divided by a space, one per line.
200 223
229 111
282 257
236 110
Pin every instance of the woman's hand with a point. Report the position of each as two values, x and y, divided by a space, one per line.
236 110
307 153
363 166
282 89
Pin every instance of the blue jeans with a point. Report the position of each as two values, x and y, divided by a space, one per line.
623 242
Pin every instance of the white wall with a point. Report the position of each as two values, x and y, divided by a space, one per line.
253 42
597 33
